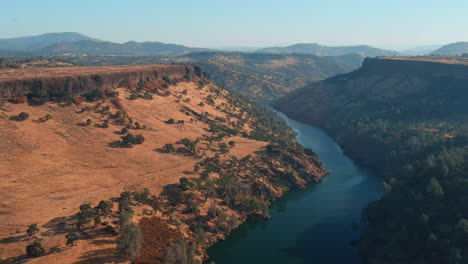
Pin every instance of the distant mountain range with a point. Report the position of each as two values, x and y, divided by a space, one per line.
128 48
68 42
320 50
36 43
454 49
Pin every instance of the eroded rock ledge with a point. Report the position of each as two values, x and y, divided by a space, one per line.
79 80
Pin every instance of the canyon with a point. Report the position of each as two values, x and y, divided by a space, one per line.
70 151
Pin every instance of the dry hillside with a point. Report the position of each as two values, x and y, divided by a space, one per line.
71 150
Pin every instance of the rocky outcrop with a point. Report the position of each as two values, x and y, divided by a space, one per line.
79 80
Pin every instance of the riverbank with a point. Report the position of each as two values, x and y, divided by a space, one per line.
313 225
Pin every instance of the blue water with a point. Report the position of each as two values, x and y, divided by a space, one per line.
313 225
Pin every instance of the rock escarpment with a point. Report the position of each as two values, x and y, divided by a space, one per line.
76 81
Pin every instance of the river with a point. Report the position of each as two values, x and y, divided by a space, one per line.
313 225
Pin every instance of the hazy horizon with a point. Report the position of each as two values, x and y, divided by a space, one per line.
209 23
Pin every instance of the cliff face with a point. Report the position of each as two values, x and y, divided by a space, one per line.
76 81
413 87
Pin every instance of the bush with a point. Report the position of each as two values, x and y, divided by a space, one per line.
71 239
21 117
35 249
170 121
85 215
92 96
168 148
105 207
32 230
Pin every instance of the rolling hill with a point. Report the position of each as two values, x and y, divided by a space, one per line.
454 49
130 48
35 43
321 50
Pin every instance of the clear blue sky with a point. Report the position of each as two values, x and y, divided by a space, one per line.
212 23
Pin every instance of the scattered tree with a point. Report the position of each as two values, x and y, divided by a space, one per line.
32 230
71 239
35 249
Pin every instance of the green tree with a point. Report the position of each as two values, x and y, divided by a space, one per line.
35 249
105 207
32 230
71 239
168 148
434 188
85 216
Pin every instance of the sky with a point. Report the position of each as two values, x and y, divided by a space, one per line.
257 23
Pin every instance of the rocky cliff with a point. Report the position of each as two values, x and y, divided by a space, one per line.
19 82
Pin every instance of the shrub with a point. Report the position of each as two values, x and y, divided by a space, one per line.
124 131
35 249
232 143
133 97
129 140
105 207
32 230
201 104
170 121
85 215
92 96
71 239
89 122
21 117
184 184
168 148
37 98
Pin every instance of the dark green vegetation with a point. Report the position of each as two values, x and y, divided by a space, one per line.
406 119
35 249
20 117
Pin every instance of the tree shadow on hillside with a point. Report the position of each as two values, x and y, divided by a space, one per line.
100 256
24 258
59 226
12 239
